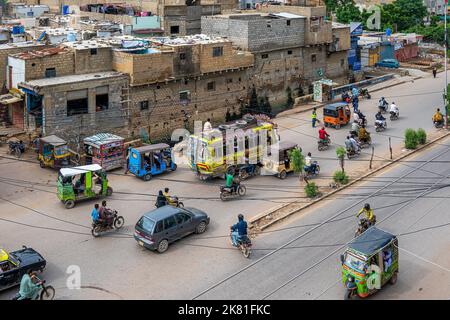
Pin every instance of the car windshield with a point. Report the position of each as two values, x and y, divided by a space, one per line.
354 262
146 224
14 259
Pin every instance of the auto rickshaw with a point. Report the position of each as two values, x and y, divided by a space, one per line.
82 183
147 161
281 166
53 152
369 262
336 114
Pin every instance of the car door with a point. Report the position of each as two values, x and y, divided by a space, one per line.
9 278
185 225
170 228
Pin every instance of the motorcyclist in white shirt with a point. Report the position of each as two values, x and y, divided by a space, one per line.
394 109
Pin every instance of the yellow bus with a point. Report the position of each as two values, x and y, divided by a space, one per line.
211 154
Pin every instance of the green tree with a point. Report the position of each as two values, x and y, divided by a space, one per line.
297 161
348 12
403 14
341 152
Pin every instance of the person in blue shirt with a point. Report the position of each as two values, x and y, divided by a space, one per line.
94 213
239 230
29 290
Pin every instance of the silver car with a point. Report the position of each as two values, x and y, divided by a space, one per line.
158 228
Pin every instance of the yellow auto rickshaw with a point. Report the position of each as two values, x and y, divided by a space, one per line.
53 152
336 114
280 166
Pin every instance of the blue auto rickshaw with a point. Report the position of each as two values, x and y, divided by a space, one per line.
147 161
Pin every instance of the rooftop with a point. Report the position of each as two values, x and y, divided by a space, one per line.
72 79
337 25
28 55
7 46
188 40
86 44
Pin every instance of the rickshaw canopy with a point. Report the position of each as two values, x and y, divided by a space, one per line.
70 172
101 139
371 241
335 106
3 255
54 141
152 147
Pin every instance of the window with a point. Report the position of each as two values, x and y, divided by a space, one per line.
313 58
93 51
146 224
102 102
169 222
50 72
288 22
289 51
217 51
159 227
342 62
269 25
229 80
143 105
77 102
185 96
264 56
182 217
182 56
211 86
320 48
175 29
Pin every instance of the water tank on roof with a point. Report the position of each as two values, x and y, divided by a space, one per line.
71 37
18 29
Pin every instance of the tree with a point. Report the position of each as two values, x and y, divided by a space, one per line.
403 14
290 100
341 152
297 161
348 12
254 107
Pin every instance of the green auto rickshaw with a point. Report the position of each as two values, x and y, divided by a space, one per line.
82 183
369 262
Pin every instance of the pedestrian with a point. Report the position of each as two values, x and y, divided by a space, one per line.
434 72
314 117
127 160
207 126
355 104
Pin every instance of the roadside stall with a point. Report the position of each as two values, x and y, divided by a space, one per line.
105 149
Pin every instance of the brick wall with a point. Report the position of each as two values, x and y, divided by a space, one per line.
63 63
343 34
337 65
86 62
230 59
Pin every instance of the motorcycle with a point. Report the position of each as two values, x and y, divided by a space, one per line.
47 292
363 225
226 193
308 173
249 170
380 125
323 144
16 148
364 144
244 244
99 227
351 153
383 108
394 116
346 97
365 93
438 125
176 202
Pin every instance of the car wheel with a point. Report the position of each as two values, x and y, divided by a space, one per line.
283 174
69 204
163 246
201 227
147 177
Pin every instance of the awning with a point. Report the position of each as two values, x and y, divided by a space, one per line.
9 98
68 172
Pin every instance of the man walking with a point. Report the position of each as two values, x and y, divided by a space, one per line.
434 72
314 117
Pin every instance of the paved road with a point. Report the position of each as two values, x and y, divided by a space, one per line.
115 267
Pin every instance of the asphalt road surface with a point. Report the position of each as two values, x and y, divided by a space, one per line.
115 267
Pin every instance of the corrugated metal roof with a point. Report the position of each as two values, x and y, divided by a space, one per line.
102 138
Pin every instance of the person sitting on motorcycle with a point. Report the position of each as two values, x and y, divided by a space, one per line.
310 166
394 109
28 289
348 144
382 104
94 214
368 212
168 197
438 118
105 214
239 230
351 144
363 134
232 180
379 117
356 117
355 128
362 117
161 201
323 135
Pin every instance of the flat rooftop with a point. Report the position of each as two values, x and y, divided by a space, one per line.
28 55
188 40
7 46
46 82
256 16
86 44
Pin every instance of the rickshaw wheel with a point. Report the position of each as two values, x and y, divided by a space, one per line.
41 164
393 279
174 167
69 204
283 174
338 126
147 177
326 124
109 191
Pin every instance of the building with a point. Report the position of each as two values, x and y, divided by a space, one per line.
354 56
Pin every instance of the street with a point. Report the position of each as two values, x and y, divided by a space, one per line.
115 267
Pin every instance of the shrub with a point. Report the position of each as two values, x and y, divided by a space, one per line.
421 136
410 139
340 152
340 177
311 190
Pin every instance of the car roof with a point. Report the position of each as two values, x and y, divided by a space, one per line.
69 172
161 213
53 140
371 241
152 147
336 105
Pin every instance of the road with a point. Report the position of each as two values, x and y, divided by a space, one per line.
113 267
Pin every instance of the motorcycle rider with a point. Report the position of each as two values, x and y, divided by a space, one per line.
232 180
355 128
363 134
239 230
362 118
94 213
368 212
379 117
351 144
323 135
105 214
382 104
29 290
169 199
310 166
438 118
394 109
161 201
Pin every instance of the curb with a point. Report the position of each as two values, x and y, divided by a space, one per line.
271 211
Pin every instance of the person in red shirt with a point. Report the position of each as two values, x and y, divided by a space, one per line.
323 135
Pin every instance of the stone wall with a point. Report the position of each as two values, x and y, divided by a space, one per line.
230 59
86 62
63 63
337 65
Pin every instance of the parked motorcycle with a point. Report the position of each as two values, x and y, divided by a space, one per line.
227 193
394 116
380 125
16 148
323 144
244 244
99 227
249 170
47 292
